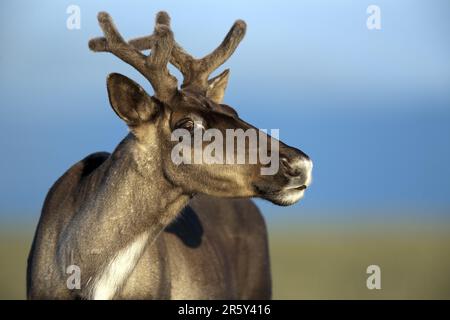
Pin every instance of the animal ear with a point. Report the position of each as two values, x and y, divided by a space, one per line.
129 100
217 86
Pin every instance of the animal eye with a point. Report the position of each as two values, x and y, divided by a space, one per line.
187 124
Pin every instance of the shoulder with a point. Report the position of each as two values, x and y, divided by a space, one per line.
72 177
84 167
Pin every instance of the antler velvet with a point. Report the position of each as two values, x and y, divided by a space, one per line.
165 49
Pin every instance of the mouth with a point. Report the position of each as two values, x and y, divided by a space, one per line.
299 188
284 197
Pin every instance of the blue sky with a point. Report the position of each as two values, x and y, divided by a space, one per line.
372 108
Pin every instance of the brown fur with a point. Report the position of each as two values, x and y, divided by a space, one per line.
165 223
223 240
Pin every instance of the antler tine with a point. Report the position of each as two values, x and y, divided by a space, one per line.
224 51
180 59
197 71
114 43
153 67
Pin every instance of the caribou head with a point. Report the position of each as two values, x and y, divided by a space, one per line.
195 106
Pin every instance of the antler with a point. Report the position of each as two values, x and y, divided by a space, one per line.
154 66
195 71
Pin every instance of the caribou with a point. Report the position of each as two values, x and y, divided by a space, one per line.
138 225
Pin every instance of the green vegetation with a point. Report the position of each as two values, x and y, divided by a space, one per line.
330 262
14 248
315 261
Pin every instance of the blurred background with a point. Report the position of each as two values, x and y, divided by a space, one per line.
370 107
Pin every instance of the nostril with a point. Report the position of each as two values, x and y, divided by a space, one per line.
290 169
285 163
